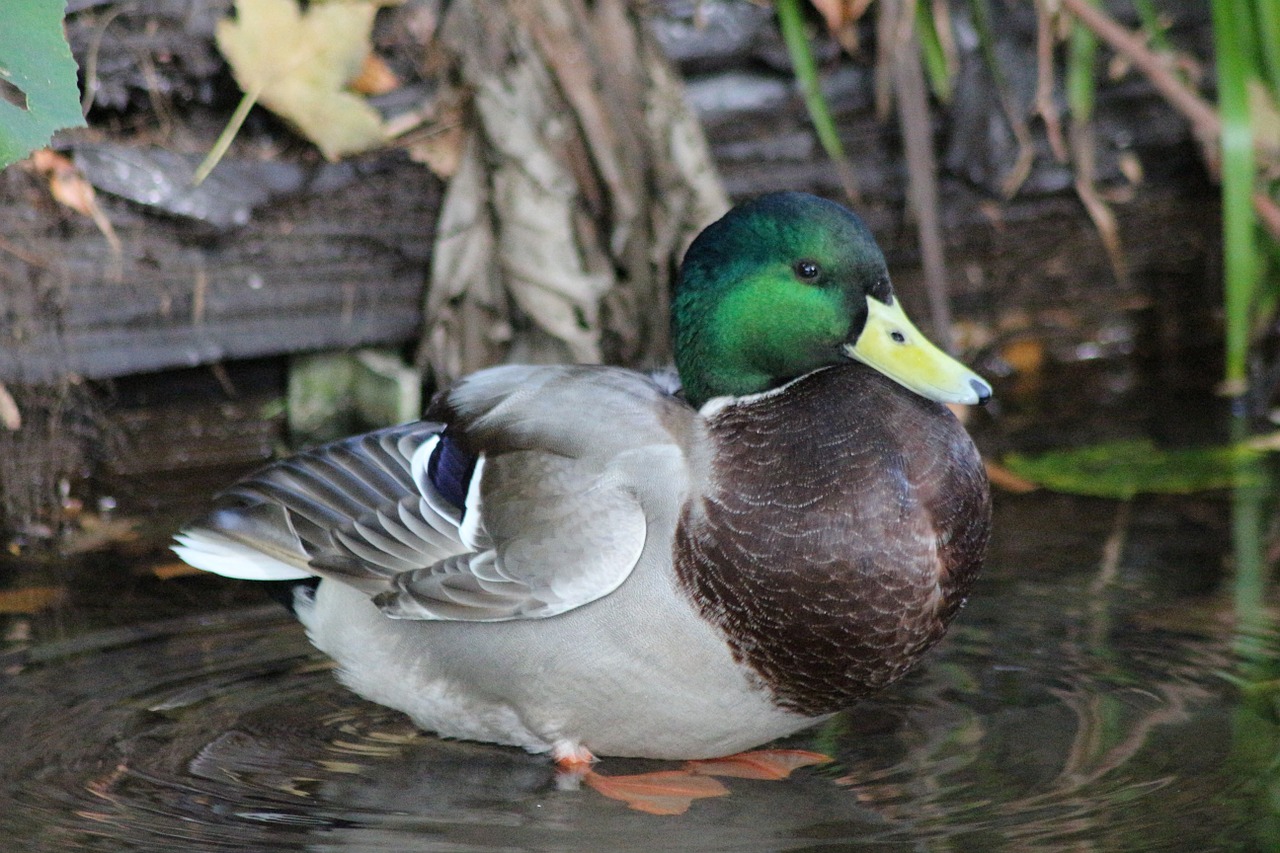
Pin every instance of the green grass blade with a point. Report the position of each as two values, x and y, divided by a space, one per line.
936 66
1249 522
791 23
1082 75
1233 44
225 138
1267 13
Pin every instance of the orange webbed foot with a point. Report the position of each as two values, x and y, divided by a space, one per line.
671 792
665 792
761 764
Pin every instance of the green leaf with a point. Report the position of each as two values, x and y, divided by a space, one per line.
38 91
791 24
1122 469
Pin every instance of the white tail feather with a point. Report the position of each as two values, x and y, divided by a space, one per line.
222 556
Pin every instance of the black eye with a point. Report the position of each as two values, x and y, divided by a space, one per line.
807 270
898 337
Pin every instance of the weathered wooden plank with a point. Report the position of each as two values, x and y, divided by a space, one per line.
289 254
336 268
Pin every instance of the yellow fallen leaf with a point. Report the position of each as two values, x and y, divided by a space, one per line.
375 77
70 188
1001 477
10 414
30 599
839 14
841 17
175 569
299 66
66 184
95 533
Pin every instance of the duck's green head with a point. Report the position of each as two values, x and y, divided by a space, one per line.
786 284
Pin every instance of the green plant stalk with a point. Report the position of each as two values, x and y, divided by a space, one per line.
1232 43
935 58
1245 38
791 23
226 137
1267 13
1249 521
1081 75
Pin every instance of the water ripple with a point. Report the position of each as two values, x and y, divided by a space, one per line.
1059 730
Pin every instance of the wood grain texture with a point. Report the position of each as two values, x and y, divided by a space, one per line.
336 267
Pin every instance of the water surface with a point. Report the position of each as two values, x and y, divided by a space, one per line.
1100 692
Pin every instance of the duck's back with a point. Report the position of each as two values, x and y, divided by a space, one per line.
841 526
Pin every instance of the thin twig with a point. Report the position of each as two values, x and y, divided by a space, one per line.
922 171
91 59
114 273
1203 117
1013 112
886 28
1045 105
23 255
1083 153
219 371
1268 213
1206 124
1112 550
198 290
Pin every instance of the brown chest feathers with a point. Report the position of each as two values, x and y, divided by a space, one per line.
844 524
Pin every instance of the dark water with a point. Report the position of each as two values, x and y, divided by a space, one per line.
1109 687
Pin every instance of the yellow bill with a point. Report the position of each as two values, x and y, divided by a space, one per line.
891 344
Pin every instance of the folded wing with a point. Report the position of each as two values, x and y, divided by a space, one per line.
546 524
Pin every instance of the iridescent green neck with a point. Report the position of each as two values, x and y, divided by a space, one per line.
747 336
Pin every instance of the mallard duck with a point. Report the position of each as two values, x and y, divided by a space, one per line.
578 561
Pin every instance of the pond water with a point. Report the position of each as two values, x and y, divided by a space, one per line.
1109 687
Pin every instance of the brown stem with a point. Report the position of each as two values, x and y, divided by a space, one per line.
1045 105
1205 123
1268 213
1203 117
922 171
1083 155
